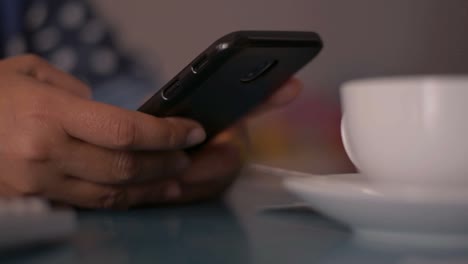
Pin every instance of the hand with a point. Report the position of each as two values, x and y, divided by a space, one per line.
217 164
57 143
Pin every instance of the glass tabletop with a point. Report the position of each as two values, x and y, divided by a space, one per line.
245 226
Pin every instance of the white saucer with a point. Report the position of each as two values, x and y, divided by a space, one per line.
388 214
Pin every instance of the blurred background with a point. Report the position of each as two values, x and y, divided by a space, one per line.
362 38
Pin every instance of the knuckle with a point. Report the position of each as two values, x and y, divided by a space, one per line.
126 166
28 187
26 63
173 134
125 133
33 148
112 198
173 138
36 67
86 91
41 106
33 60
39 111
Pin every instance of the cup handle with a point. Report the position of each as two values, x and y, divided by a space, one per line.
344 139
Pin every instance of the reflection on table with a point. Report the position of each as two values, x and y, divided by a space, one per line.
239 228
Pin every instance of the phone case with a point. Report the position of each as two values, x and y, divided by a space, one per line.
233 76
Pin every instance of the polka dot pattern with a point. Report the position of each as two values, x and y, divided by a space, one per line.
45 39
71 36
103 61
93 32
72 14
36 15
65 59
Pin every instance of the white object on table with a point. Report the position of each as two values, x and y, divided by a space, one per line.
393 215
281 173
26 221
274 171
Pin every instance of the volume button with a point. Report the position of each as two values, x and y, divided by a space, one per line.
171 90
198 64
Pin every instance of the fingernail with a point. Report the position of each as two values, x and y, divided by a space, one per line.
196 135
172 191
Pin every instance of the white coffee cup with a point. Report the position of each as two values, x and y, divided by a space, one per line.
408 130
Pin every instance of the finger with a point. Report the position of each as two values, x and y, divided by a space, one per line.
203 180
92 195
159 193
86 194
153 193
194 192
286 94
27 178
41 70
212 171
236 134
219 161
100 165
165 192
116 128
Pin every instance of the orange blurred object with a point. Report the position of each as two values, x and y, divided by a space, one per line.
305 135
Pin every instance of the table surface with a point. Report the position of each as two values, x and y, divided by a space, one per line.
239 228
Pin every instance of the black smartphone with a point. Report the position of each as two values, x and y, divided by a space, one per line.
232 76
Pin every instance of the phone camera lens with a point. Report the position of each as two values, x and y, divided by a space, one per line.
250 74
258 71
